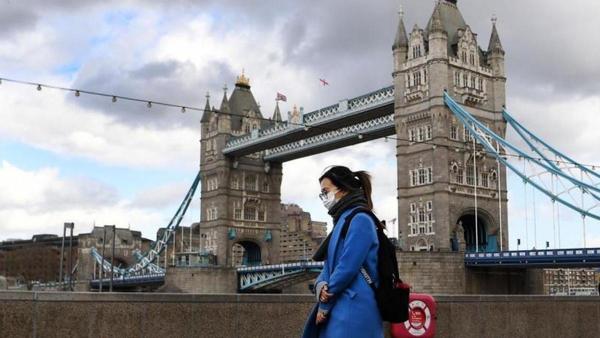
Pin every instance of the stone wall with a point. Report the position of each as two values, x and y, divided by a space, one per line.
433 272
58 314
201 280
445 273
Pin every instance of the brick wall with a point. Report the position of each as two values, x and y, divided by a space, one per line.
433 272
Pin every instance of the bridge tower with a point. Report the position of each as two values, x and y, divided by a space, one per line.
240 197
435 156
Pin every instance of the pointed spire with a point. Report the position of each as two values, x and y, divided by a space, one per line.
495 46
225 103
436 20
401 39
207 111
277 113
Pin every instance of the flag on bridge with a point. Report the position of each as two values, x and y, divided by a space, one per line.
281 97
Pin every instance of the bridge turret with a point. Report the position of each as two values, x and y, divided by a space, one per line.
495 51
437 35
277 114
224 118
435 177
400 46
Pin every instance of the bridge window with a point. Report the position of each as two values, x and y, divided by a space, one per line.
472 82
454 132
413 207
457 79
235 182
484 180
463 56
250 182
465 80
416 51
411 135
472 59
421 176
211 214
212 183
481 84
428 132
467 134
237 210
266 186
417 77
261 213
470 173
249 213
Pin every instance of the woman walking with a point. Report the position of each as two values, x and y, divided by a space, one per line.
346 305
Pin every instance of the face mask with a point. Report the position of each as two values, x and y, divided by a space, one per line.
329 200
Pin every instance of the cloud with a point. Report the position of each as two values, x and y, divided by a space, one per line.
47 120
41 200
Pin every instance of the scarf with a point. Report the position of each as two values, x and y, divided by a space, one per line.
351 200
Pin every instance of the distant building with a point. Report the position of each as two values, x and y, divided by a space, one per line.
299 238
38 259
300 235
570 282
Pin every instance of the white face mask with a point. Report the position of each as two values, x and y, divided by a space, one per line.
329 200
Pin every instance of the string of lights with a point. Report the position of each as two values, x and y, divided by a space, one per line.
184 108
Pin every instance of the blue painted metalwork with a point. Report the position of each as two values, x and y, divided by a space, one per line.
483 135
316 122
522 130
268 276
554 258
131 280
144 264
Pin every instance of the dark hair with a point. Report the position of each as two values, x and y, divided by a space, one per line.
350 181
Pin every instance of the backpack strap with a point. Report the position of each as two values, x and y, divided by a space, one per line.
351 215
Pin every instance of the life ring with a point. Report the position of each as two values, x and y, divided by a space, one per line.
419 318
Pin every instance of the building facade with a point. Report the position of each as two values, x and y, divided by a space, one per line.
240 197
439 167
300 235
576 282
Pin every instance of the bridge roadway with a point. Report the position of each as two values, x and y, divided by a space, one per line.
552 258
337 125
276 277
74 314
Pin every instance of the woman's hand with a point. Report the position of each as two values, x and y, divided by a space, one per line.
321 317
324 296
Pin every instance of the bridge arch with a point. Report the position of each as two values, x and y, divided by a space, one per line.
246 252
465 230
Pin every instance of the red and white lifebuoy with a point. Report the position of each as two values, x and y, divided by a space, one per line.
421 318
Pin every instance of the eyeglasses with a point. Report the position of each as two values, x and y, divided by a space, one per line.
323 194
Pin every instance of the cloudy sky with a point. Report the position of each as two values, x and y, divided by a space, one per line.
90 161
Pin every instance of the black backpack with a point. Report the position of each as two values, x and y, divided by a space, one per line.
391 294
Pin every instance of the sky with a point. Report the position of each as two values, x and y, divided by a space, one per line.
90 161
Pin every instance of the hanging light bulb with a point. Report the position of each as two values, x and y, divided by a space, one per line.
114 99
39 87
182 110
360 137
149 104
77 93
306 128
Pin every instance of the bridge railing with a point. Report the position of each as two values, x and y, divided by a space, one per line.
548 257
368 101
276 267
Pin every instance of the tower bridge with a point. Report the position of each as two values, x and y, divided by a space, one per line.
446 111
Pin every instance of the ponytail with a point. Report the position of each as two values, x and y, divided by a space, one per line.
365 182
350 181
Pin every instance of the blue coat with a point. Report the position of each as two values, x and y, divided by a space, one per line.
353 310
